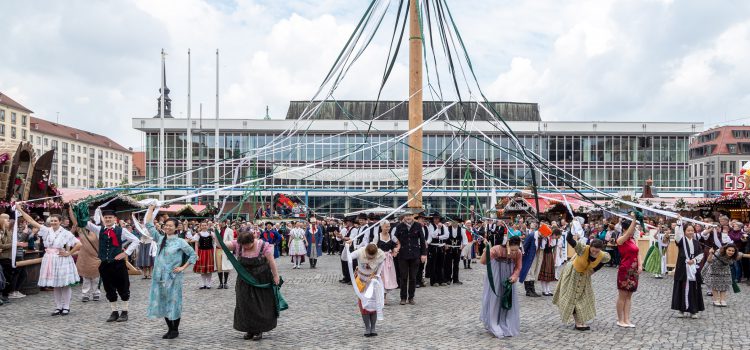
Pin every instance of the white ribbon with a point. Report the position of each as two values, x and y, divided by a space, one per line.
98 211
374 286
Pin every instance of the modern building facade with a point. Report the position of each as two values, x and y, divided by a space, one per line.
82 159
716 157
347 155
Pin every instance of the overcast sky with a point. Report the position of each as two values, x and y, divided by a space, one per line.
97 62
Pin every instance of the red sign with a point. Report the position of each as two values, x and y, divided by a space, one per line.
733 183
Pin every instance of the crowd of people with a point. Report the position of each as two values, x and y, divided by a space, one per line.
378 256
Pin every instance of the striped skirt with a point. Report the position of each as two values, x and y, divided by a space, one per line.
57 271
547 272
205 263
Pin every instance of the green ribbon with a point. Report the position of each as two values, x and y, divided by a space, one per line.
507 301
281 304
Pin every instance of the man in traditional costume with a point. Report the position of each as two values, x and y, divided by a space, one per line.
454 244
112 269
532 262
438 234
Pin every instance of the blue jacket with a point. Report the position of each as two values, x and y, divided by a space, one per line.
273 237
529 252
318 240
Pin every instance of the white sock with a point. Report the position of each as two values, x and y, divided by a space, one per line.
66 294
113 306
124 306
57 292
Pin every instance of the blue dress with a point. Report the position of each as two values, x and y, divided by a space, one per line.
165 299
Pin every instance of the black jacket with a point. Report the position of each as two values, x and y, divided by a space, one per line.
412 241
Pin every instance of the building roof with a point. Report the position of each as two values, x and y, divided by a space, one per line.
716 141
50 128
9 102
139 163
399 110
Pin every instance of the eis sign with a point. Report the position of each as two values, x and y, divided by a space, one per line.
734 182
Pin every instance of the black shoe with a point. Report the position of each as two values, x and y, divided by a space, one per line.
343 280
258 336
458 283
65 312
204 287
373 334
367 335
166 335
123 317
469 267
248 336
57 312
221 285
172 334
113 316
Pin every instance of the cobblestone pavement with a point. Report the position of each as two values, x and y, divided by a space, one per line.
323 314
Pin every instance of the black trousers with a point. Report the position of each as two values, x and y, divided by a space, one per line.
435 264
420 273
450 265
345 269
408 273
114 276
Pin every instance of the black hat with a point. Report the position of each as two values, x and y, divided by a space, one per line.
106 212
455 218
362 216
269 223
371 216
348 219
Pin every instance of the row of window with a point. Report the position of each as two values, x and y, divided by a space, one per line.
13 133
13 118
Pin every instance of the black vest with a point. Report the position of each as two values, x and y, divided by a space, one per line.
454 236
205 242
107 250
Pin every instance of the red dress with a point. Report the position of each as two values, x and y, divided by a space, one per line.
627 273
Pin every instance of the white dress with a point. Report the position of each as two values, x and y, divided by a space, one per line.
297 242
56 270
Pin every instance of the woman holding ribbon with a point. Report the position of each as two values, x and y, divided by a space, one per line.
501 316
368 286
686 291
58 270
574 294
257 308
165 299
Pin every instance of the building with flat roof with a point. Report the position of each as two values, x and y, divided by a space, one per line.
612 156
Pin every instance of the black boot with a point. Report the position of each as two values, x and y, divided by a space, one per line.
175 332
170 327
113 316
123 316
532 291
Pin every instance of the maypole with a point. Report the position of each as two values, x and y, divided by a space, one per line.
415 107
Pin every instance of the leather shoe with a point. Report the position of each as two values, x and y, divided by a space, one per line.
123 317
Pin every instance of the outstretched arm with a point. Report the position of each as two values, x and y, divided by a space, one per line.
29 219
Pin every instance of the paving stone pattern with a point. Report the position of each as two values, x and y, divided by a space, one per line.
323 314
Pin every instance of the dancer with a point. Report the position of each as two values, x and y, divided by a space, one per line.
468 248
686 291
453 245
368 284
574 294
656 257
628 271
499 317
165 298
422 220
257 310
204 246
58 270
298 244
347 233
145 255
438 234
112 268
385 243
717 273
224 267
413 249
547 270
532 262
314 237
272 236
88 261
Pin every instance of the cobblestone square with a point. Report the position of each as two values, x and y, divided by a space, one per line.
323 314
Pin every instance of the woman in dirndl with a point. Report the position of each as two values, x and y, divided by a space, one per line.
390 248
58 270
368 284
256 311
146 254
547 271
505 263
222 262
204 246
297 244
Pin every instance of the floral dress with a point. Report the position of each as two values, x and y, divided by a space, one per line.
627 272
165 299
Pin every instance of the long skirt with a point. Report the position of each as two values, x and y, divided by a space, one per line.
652 263
686 296
205 263
144 258
57 271
297 247
547 272
500 322
255 311
717 276
165 297
389 273
574 293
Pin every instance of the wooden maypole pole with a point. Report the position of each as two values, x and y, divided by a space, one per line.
415 107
